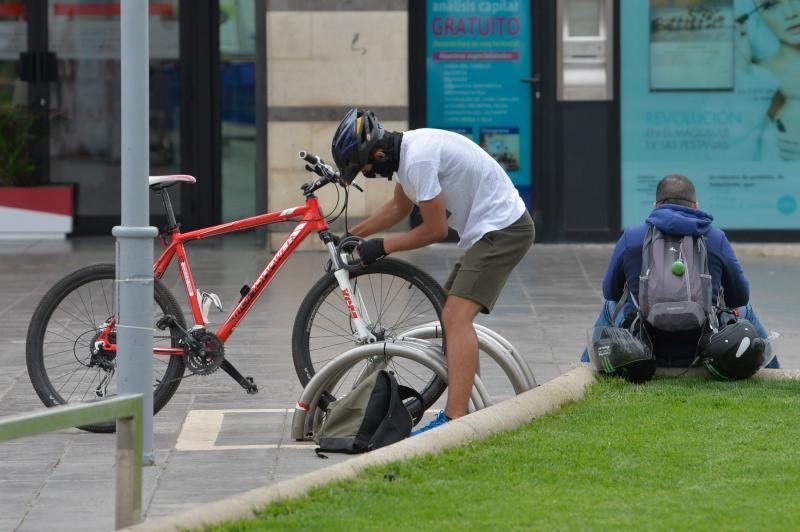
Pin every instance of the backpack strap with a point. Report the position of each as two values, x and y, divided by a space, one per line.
646 243
407 392
702 252
626 293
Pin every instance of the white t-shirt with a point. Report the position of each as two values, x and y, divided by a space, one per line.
477 192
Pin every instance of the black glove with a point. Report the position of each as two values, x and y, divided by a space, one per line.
371 250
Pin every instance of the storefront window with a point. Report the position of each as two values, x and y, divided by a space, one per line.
237 43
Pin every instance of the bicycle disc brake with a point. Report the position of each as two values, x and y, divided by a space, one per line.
207 357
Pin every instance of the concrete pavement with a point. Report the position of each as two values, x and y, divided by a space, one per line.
213 440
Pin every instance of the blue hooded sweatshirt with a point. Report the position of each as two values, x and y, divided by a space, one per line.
626 262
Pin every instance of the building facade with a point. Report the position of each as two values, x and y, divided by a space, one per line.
585 103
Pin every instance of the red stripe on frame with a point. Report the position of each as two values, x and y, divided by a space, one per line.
55 200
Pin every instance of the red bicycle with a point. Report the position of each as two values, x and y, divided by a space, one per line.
71 344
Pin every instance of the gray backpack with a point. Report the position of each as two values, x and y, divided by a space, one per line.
674 283
372 415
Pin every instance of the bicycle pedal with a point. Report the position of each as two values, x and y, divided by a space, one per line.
252 389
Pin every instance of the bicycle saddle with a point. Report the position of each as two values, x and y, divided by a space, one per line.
157 182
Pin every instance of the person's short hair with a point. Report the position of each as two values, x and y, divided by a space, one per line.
676 189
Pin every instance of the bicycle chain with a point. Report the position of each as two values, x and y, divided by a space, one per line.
208 358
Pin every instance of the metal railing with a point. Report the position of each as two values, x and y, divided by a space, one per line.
127 410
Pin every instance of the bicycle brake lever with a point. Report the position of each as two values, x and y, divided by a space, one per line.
358 187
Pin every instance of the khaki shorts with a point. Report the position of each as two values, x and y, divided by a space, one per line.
480 274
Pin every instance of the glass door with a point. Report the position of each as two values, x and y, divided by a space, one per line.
84 103
237 52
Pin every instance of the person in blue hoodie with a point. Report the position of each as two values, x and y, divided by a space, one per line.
676 212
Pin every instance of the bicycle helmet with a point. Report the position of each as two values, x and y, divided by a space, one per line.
735 352
617 352
354 141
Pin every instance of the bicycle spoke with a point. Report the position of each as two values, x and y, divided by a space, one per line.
68 363
105 298
346 332
70 350
85 309
401 370
96 375
328 346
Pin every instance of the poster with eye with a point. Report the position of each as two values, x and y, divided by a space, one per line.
691 45
740 147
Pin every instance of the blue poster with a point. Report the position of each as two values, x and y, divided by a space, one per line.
709 89
478 52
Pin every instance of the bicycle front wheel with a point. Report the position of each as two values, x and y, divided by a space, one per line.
63 362
395 297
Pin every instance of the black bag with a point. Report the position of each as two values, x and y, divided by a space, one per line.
372 415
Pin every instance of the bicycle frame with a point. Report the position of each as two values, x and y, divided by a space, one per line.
311 220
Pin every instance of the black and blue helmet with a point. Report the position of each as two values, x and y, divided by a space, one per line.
354 141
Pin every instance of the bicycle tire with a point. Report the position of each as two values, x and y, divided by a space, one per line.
76 313
377 280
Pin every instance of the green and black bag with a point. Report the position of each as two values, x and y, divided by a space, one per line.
373 415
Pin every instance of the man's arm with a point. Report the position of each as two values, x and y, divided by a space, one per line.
737 289
432 229
614 281
392 213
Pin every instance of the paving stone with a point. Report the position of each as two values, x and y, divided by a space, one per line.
65 480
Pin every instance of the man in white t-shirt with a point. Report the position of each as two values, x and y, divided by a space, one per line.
444 174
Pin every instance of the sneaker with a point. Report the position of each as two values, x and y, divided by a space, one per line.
440 419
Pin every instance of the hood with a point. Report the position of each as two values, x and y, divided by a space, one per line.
679 220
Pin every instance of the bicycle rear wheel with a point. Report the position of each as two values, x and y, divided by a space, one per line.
395 297
63 365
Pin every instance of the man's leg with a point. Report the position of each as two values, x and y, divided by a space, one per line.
462 353
748 313
603 320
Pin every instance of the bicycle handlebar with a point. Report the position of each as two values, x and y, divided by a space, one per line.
318 166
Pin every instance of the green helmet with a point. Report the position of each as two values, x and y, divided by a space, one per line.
617 352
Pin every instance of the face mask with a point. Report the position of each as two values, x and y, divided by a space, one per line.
383 167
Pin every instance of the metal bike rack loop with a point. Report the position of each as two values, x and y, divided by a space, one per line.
526 369
494 345
416 350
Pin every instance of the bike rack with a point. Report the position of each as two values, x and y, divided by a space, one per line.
494 345
429 355
412 345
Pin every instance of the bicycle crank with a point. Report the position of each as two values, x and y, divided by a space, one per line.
206 356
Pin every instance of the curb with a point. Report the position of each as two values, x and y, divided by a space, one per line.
741 249
765 373
506 415
766 250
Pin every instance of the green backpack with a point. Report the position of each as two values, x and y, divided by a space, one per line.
372 415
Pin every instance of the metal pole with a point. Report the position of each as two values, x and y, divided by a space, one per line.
135 236
129 470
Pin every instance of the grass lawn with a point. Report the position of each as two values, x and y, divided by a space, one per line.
671 454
